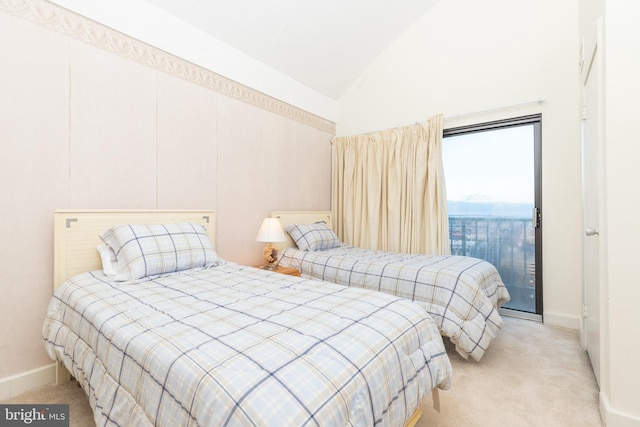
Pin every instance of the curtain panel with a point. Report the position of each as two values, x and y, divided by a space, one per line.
389 191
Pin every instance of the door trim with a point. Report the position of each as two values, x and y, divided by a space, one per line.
520 314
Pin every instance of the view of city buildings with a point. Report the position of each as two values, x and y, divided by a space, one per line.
505 241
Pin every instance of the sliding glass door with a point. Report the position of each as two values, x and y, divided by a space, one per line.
492 173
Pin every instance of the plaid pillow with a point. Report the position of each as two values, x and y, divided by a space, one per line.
150 250
313 237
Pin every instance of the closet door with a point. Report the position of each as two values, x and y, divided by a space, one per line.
592 203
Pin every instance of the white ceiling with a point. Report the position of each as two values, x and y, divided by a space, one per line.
323 44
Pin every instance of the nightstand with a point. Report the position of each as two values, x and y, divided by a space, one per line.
284 270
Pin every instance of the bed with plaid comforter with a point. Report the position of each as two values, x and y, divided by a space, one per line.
462 294
230 345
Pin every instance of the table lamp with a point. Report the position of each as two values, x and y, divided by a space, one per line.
270 232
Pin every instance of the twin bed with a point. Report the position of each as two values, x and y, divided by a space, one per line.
160 331
462 294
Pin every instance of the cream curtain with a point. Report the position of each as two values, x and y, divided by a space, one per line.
389 191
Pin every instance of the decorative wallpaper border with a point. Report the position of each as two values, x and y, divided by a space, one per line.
63 21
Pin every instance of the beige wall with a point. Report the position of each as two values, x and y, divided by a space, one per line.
83 127
144 21
465 56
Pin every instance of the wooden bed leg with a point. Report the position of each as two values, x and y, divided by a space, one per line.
415 417
62 375
417 414
436 399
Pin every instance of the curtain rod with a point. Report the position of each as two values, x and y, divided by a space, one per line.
472 113
503 107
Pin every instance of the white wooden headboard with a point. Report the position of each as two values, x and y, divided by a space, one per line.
300 217
76 234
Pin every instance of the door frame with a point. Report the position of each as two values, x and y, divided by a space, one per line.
536 121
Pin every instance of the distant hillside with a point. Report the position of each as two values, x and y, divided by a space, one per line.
511 210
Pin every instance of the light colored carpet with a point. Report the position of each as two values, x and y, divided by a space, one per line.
532 375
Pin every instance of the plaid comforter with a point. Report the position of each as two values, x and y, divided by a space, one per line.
462 294
234 345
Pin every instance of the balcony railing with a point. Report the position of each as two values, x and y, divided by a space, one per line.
508 244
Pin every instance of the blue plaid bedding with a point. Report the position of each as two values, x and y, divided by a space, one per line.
462 294
231 345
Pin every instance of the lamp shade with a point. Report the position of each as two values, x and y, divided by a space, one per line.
271 231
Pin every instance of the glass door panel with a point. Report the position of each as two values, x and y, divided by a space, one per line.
491 191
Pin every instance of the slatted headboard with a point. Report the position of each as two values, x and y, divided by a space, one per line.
300 217
76 234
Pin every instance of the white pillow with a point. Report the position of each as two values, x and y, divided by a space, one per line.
109 261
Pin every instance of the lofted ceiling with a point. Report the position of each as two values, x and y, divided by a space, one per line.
323 44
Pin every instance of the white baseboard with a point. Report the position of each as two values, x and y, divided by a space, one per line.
21 383
613 418
562 320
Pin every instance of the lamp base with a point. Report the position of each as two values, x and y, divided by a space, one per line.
270 256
